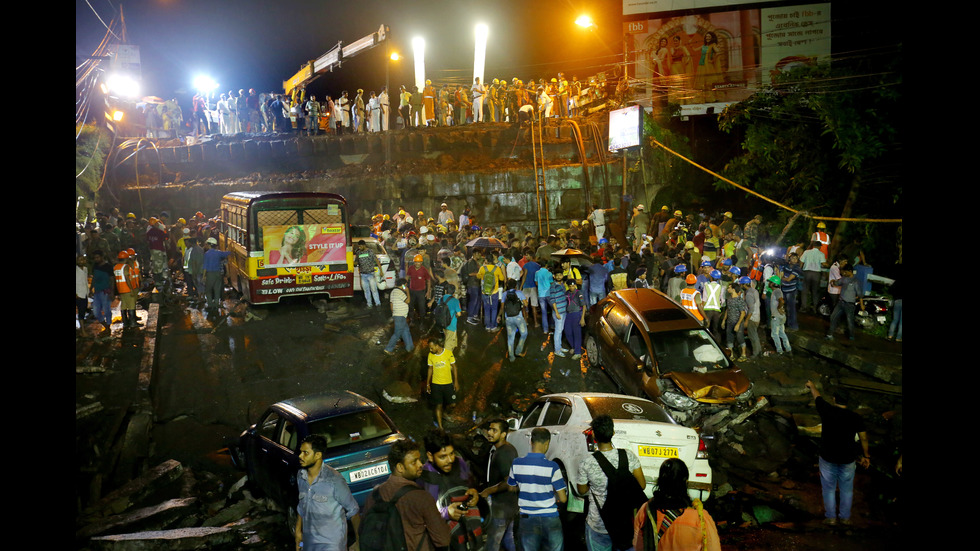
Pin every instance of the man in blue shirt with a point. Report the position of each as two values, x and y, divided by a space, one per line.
213 284
325 500
558 298
543 278
540 488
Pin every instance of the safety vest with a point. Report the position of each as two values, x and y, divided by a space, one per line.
712 296
689 303
824 240
756 271
121 284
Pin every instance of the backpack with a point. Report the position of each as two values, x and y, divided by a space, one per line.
513 306
489 280
381 526
623 498
442 314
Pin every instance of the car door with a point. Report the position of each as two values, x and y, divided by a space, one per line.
521 437
554 418
273 455
620 361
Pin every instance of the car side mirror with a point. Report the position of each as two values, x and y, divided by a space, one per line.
513 423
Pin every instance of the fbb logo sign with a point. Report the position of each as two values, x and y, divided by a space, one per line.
635 27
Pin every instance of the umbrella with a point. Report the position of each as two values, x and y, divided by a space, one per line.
578 257
486 243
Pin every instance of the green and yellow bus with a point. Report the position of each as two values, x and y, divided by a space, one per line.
287 243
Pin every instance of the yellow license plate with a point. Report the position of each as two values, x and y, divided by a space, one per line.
304 279
658 451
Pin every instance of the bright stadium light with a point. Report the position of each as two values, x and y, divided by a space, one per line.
480 51
585 21
418 48
205 84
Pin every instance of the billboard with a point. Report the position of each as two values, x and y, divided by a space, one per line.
625 127
724 56
304 245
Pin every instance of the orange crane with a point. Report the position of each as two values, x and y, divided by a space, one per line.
311 70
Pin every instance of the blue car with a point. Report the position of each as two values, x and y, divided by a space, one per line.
359 435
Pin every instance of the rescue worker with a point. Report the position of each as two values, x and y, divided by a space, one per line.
127 287
823 238
691 299
714 300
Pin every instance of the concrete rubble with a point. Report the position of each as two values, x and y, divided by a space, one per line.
144 515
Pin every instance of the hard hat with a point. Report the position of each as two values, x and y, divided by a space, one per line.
744 280
418 258
424 229
715 274
153 221
664 208
574 222
181 221
705 262
131 251
678 213
689 245
775 280
727 262
131 215
735 270
122 255
603 241
212 241
728 214
691 279
680 269
639 207
421 213
199 214
821 226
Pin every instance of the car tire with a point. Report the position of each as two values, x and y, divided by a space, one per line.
592 351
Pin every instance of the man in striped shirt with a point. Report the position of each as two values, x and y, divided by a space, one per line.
540 487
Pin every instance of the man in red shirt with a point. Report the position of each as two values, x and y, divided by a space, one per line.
419 287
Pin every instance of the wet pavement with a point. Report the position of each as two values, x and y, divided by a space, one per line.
204 379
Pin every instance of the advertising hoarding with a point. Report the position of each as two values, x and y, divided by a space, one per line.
724 56
625 127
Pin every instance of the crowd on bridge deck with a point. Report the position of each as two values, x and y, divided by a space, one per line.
371 111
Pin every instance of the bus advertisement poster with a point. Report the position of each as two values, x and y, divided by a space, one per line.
304 245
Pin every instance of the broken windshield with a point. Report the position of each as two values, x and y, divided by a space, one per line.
687 351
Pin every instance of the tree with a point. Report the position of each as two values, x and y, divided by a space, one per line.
819 137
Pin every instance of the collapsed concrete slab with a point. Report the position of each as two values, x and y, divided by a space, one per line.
169 540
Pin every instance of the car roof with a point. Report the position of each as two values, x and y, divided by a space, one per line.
326 404
654 310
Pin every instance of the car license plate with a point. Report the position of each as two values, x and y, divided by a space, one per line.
304 279
369 472
658 451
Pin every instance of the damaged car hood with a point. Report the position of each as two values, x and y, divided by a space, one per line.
717 387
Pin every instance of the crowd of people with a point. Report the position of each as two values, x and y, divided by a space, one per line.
371 111
118 256
438 494
718 270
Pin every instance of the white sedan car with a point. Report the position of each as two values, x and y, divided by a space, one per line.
640 425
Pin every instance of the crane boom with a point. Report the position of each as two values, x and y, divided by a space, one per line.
311 70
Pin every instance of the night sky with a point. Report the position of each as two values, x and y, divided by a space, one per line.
258 44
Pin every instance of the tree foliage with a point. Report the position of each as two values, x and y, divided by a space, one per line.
91 147
814 131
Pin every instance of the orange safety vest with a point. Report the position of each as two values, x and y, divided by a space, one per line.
824 240
120 270
688 302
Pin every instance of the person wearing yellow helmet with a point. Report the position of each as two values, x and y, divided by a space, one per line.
821 236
